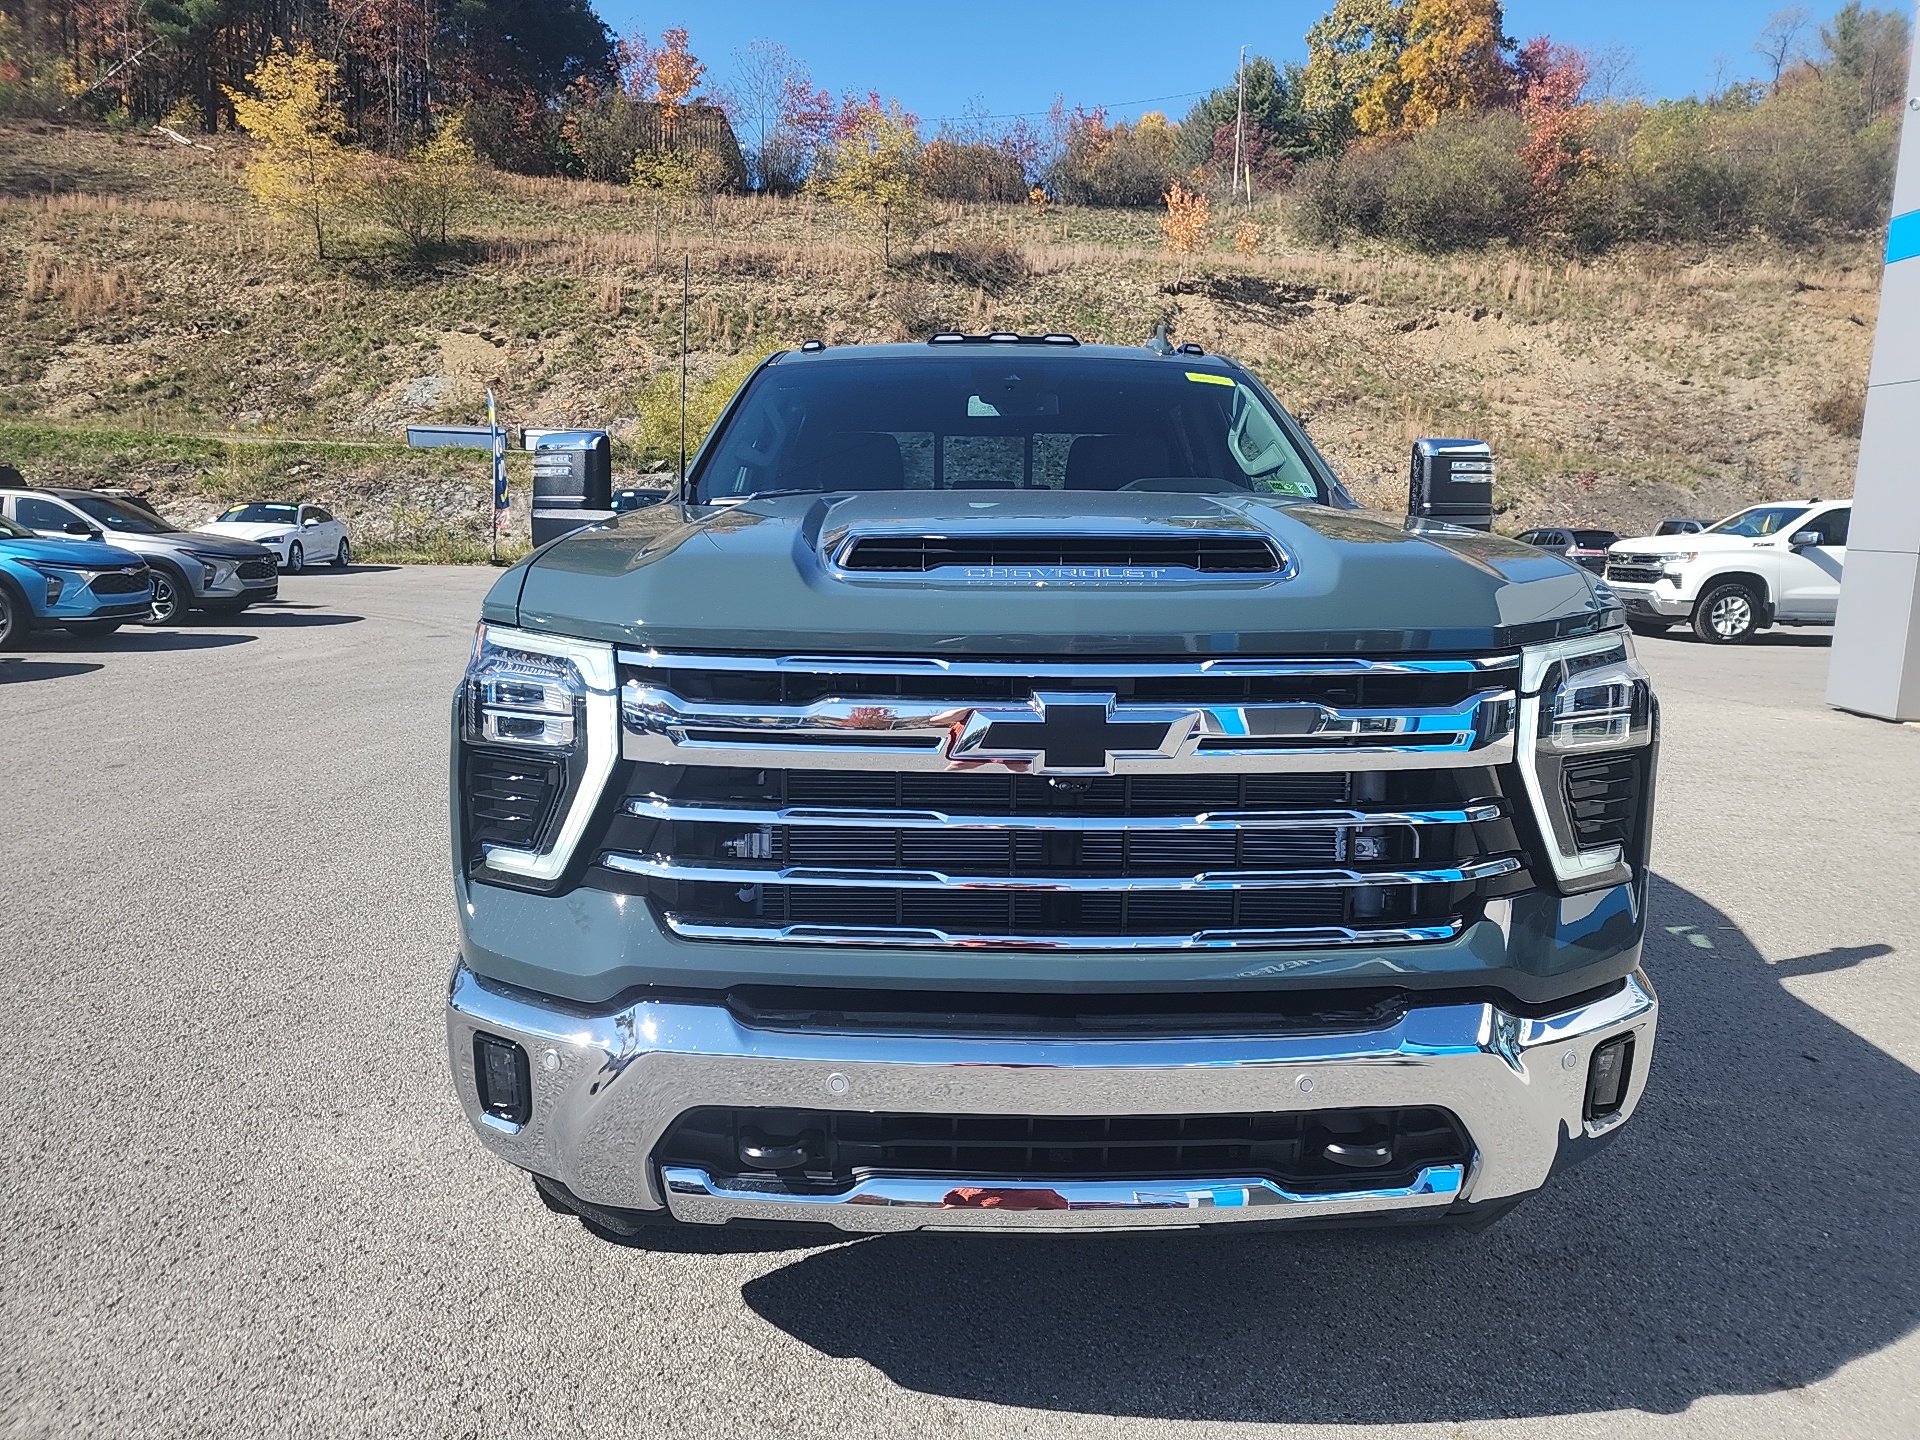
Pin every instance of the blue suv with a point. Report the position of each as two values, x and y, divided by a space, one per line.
81 585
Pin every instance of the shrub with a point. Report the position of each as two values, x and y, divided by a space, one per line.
1119 164
419 199
1460 182
957 170
1843 409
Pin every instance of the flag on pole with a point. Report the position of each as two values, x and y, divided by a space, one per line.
499 466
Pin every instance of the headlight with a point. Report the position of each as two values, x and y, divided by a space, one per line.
1675 563
58 579
552 700
1587 724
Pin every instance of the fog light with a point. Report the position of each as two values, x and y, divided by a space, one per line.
1607 1076
502 1076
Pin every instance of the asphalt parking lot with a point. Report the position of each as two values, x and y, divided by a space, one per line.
240 1198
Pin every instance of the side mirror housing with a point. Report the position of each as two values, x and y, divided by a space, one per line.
1803 538
80 527
1452 481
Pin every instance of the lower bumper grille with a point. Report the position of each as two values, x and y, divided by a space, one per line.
1635 574
826 1151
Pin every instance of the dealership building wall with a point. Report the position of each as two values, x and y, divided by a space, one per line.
1876 647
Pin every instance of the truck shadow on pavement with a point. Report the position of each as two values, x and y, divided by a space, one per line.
1751 1231
18 672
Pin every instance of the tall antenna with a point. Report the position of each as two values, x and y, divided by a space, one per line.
686 278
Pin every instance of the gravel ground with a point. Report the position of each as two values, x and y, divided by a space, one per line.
240 1198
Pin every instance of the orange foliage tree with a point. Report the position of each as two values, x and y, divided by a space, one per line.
1185 225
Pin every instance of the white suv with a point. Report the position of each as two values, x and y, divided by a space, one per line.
1773 564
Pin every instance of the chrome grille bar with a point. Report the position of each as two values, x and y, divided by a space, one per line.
656 867
652 807
913 937
897 734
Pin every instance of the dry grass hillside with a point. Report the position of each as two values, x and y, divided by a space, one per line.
161 334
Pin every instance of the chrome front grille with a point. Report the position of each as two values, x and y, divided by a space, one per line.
1179 804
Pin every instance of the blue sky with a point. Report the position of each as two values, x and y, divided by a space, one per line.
1127 54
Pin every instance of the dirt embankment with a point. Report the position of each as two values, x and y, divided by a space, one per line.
163 334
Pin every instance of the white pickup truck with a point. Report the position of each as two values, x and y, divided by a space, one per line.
1773 564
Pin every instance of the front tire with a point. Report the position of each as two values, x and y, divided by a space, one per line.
13 620
169 604
296 558
1728 613
343 557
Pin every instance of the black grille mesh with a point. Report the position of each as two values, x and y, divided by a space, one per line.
1207 554
120 582
1603 798
1285 1147
510 799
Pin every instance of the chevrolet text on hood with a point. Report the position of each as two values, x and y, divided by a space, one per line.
1012 786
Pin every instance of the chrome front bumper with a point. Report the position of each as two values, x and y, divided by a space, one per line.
609 1082
1651 600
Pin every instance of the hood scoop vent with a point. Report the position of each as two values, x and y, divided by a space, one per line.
1039 558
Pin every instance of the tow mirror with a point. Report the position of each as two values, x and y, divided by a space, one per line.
1452 481
1803 538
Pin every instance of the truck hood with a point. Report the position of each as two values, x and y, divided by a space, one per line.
761 576
1687 544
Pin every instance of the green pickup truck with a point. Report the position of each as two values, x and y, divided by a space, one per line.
1012 786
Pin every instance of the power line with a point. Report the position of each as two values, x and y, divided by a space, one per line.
1035 114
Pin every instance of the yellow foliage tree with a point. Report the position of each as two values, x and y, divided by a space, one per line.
302 167
1399 65
870 170
420 199
1189 214
1453 60
1353 54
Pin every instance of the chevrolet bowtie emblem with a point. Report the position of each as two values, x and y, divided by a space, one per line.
1070 734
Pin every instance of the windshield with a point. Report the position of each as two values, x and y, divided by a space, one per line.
123 518
1004 422
1759 521
11 531
263 514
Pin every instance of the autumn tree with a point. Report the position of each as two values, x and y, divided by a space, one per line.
1454 59
869 168
1185 225
676 75
1399 65
1353 64
301 167
420 199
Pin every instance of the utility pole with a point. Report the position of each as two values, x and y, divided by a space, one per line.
1240 124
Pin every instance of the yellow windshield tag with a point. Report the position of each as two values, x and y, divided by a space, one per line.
1200 377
